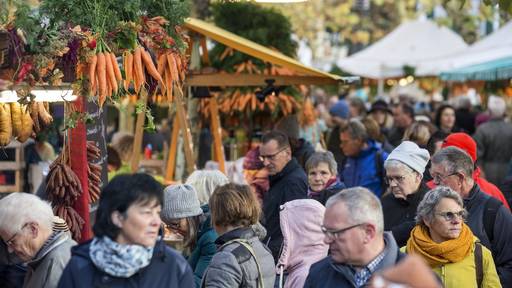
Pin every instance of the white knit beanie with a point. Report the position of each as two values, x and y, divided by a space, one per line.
411 155
180 201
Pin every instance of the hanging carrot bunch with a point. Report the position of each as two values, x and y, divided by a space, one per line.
104 73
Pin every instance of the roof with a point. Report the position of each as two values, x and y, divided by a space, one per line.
410 44
489 71
253 49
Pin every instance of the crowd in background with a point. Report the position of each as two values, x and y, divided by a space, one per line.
358 194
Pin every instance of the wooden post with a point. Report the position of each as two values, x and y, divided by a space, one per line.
187 137
217 134
139 131
171 160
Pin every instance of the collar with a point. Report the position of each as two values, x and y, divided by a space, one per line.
55 239
243 233
288 168
415 197
472 195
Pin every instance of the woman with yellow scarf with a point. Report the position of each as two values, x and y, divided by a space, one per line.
447 244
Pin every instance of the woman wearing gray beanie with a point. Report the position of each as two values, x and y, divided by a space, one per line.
404 177
183 214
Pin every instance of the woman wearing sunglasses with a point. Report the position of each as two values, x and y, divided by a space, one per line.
447 244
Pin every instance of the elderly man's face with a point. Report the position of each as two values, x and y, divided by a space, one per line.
274 158
444 177
25 243
346 245
350 147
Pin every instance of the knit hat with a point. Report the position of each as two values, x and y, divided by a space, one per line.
340 109
462 141
252 160
180 201
411 155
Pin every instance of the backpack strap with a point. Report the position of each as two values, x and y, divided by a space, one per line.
479 264
492 205
241 254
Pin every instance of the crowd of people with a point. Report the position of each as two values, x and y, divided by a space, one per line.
397 197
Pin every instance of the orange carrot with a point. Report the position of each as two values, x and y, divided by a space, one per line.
128 69
102 78
150 66
117 72
92 76
172 67
138 68
111 76
162 64
168 84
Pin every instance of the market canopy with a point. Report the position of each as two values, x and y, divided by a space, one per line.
305 75
488 71
410 44
490 50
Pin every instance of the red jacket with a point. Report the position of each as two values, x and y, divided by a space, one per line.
486 186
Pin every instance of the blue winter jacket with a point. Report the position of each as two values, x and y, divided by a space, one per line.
362 170
167 269
205 248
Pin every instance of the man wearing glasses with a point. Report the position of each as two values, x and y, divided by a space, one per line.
354 229
489 220
288 182
27 230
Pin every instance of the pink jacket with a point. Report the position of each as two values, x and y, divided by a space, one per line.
303 243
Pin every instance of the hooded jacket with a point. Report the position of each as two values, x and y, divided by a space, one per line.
45 270
166 269
287 185
362 170
303 242
326 273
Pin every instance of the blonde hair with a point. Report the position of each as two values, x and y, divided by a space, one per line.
205 182
419 132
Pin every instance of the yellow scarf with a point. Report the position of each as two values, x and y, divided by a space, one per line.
436 254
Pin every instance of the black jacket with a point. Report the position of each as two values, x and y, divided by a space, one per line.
399 213
502 234
167 269
328 192
326 274
287 185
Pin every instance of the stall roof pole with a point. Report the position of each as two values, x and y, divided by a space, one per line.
139 130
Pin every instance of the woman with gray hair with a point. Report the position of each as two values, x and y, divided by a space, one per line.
404 178
447 244
27 229
205 182
321 169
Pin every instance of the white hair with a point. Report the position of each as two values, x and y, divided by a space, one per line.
19 208
496 106
362 205
205 182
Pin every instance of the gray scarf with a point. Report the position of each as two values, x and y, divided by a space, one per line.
119 260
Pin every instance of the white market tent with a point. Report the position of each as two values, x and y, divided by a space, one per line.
410 44
494 47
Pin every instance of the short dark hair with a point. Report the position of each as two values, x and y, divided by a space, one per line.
119 194
235 205
279 137
355 129
407 109
455 159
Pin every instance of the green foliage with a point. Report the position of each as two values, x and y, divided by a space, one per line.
265 26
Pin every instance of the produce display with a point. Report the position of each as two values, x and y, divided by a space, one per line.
63 187
93 171
19 121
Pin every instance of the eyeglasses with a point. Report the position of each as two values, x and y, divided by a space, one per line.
333 234
439 178
450 216
173 225
10 242
271 157
398 179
